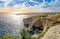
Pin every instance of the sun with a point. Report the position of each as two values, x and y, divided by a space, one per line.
17 12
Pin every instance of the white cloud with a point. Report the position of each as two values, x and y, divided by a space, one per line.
55 4
52 5
43 4
6 2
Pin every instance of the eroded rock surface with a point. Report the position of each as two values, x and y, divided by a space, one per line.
53 33
47 21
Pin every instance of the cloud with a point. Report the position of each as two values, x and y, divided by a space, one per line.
51 4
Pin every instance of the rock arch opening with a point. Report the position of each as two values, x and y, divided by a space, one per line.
36 27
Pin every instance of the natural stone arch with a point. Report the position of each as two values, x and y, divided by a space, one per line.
47 22
37 22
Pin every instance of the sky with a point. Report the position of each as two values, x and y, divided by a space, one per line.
30 3
39 4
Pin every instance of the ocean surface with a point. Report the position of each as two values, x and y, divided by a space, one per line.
11 24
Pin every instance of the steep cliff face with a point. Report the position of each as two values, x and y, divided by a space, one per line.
42 21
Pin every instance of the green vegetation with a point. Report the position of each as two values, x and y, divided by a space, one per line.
9 37
41 35
24 34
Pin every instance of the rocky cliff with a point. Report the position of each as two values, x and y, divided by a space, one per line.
43 21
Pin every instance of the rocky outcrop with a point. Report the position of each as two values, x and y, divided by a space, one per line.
53 33
46 21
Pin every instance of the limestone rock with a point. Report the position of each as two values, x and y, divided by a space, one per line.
53 33
46 21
